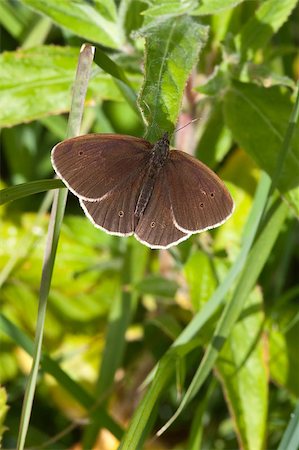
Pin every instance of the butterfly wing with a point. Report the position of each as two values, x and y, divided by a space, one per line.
114 213
93 164
199 199
156 228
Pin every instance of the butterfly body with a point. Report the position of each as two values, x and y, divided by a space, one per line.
159 155
128 186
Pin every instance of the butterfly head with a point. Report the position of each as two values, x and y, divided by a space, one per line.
165 138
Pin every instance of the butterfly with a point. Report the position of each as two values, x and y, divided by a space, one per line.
128 186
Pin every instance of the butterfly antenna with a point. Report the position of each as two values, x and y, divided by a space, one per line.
186 124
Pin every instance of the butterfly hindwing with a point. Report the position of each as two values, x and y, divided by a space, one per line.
115 211
156 228
199 199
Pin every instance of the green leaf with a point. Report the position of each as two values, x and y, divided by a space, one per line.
269 17
8 364
169 8
37 82
216 140
201 279
24 189
215 83
130 15
243 372
167 324
259 129
262 74
215 6
94 21
156 285
283 346
172 49
14 19
3 411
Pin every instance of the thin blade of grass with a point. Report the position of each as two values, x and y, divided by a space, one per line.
143 413
286 143
290 439
120 78
39 32
58 207
23 190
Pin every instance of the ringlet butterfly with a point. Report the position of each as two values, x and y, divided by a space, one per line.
128 186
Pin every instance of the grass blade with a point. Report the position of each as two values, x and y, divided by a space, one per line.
290 438
58 207
23 190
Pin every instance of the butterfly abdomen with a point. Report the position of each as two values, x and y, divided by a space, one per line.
158 159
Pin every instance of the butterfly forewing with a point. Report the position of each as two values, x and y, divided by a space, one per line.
199 199
92 165
156 228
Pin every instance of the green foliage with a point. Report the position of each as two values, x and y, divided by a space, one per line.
115 315
259 29
3 409
171 49
36 83
244 375
215 6
164 8
19 191
96 23
265 130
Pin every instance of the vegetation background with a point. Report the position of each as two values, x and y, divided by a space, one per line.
116 308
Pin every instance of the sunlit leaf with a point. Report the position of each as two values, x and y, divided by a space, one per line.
95 21
38 82
172 50
207 7
269 17
166 8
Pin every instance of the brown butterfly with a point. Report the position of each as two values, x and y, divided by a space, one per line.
128 186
